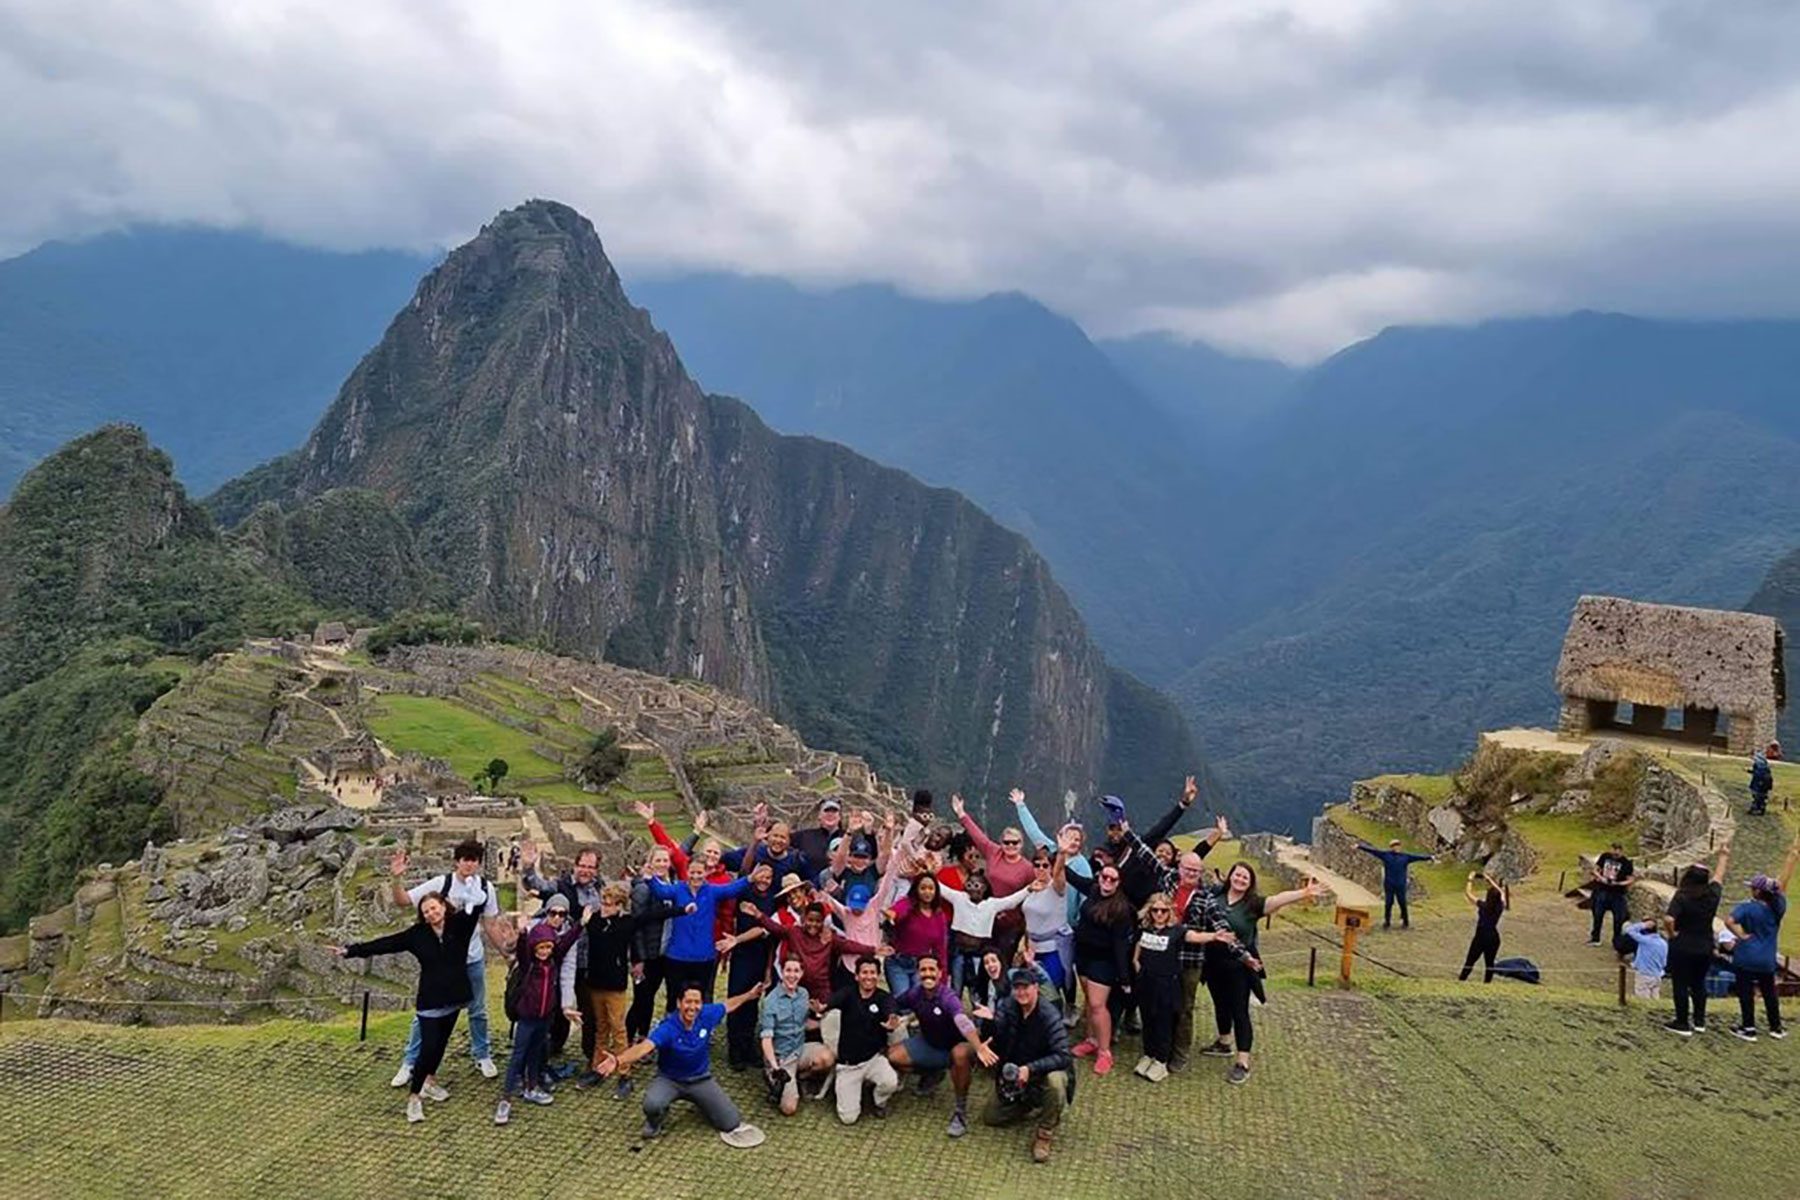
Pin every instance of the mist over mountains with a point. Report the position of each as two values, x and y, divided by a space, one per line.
1335 570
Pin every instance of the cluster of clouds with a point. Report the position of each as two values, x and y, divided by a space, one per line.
1280 176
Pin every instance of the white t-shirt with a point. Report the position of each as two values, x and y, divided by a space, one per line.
465 895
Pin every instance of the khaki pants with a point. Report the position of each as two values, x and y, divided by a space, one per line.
1646 987
1046 1101
1184 1015
807 1061
849 1082
608 1016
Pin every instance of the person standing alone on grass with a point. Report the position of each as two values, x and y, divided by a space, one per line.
465 890
1757 924
1490 906
1394 864
1762 781
1612 876
1689 922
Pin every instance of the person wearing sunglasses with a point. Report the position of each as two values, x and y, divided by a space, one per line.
1046 915
1008 869
1103 936
1157 961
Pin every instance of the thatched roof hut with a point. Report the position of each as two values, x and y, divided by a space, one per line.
1662 657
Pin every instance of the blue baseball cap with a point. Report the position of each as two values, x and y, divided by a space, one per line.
1115 809
858 897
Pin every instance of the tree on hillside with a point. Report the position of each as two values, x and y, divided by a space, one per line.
604 761
496 771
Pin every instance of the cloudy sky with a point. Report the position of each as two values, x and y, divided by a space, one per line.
1281 176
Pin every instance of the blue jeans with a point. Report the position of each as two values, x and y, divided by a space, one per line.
902 971
478 1021
1389 894
531 1039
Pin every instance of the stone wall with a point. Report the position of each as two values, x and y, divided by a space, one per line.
1336 849
1394 806
1671 813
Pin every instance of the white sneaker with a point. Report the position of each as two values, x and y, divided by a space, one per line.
1156 1072
487 1068
434 1091
402 1077
415 1111
503 1112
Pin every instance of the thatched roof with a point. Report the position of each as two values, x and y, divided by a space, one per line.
1663 654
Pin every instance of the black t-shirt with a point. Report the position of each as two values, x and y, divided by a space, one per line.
1693 917
1489 910
1159 950
864 1033
1611 868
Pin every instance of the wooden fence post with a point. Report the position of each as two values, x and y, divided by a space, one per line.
364 1035
1312 965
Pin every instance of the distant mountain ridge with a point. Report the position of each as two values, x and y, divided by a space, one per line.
551 457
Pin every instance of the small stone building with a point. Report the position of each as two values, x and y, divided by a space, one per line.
1697 675
332 635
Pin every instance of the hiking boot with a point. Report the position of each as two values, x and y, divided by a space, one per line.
415 1111
1103 1063
1239 1073
1157 1072
1040 1146
959 1124
434 1091
621 1089
586 1080
1085 1048
1679 1028
402 1077
537 1096
1217 1050
486 1067
1745 1033
503 1112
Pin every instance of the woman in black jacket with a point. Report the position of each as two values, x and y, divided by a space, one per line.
1103 934
440 941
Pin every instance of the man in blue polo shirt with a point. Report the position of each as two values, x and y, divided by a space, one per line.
682 1043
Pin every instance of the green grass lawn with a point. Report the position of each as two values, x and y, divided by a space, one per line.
1433 789
1398 1089
468 740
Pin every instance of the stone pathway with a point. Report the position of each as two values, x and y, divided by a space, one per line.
1345 890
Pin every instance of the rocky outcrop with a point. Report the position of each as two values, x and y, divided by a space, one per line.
547 450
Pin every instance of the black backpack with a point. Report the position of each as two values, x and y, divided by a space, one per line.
515 984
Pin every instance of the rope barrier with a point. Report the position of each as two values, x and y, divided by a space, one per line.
274 1001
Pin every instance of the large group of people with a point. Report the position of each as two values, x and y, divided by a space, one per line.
853 956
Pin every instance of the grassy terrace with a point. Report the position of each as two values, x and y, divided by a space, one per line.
1403 1089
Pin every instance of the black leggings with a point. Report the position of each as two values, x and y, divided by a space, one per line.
643 1000
1484 945
1229 983
1748 984
1158 996
1687 973
434 1038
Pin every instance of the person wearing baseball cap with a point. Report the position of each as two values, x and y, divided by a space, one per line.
815 843
1033 1069
1757 924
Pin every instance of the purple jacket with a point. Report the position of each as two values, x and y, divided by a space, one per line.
539 992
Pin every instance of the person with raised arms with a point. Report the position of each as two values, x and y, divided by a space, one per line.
682 1043
972 919
1103 934
947 1038
1395 863
1047 929
1689 922
1157 964
439 940
464 889
693 955
580 886
1231 966
534 992
747 950
815 943
1490 906
815 843
1034 1073
787 1054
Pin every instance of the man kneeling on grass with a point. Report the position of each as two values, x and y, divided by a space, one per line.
1035 1072
682 1043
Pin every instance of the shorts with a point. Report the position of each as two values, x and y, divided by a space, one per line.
1646 987
924 1056
1100 970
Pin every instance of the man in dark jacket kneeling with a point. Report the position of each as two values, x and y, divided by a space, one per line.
1036 1071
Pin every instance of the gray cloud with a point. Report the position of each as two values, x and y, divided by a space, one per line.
1277 176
